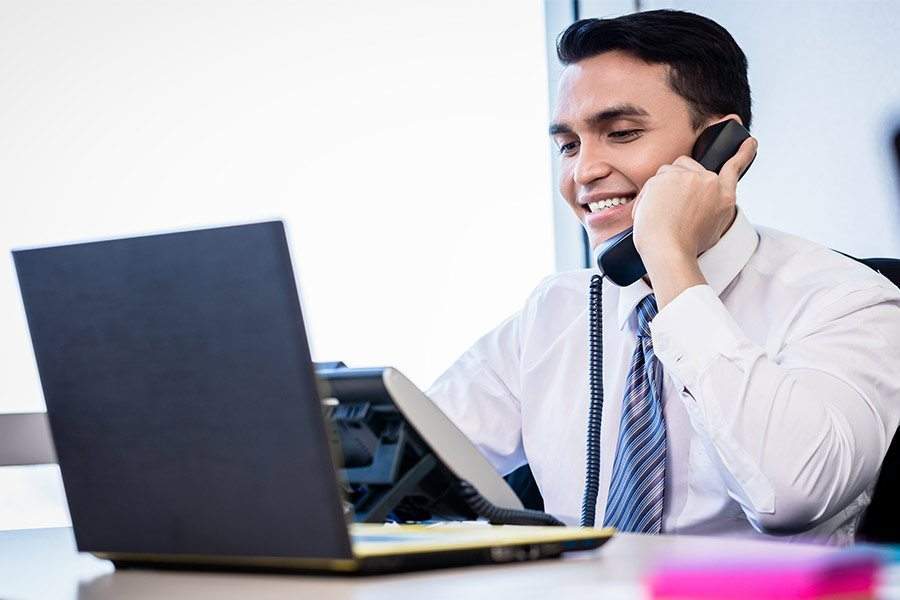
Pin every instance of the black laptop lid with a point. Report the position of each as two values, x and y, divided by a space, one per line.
181 394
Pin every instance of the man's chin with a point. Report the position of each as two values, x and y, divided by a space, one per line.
598 238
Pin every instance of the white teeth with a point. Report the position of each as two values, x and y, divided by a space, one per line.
604 204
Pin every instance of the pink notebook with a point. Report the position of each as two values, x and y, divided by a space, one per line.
843 575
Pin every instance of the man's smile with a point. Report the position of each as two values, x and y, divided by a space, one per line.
599 205
599 202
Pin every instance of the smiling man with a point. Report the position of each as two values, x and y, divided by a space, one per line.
746 385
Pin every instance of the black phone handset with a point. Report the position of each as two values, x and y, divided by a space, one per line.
617 258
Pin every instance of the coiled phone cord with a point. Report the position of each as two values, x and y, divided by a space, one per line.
503 516
483 508
595 415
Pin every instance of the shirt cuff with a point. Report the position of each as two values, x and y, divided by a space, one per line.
692 331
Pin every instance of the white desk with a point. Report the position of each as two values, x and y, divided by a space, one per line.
43 564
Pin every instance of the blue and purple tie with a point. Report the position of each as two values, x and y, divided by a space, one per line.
636 492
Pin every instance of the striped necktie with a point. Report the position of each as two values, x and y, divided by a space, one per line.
635 501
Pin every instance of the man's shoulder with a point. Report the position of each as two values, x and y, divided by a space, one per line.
556 301
564 285
789 260
550 311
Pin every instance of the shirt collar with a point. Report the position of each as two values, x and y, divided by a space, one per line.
719 265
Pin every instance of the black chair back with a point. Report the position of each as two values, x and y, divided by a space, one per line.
881 521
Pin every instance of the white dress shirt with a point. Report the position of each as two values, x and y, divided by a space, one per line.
781 390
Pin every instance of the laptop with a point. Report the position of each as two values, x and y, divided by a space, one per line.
187 422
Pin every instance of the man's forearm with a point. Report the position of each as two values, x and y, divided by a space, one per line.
671 272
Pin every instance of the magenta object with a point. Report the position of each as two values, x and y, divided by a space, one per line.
851 573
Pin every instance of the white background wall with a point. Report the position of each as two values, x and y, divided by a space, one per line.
404 142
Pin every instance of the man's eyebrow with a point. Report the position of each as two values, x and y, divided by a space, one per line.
599 118
558 128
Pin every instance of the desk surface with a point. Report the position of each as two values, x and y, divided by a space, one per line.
43 563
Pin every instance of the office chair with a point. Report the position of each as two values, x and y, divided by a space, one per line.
881 520
523 484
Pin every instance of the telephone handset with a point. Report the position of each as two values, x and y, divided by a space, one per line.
617 258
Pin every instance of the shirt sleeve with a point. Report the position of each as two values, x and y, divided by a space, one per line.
797 431
479 393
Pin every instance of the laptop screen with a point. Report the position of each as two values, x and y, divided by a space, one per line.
181 394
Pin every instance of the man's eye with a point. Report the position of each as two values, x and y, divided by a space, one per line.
625 134
568 149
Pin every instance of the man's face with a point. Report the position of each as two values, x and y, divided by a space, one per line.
616 122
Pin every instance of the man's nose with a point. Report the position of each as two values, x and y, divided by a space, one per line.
591 164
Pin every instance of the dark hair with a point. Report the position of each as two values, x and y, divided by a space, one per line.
706 66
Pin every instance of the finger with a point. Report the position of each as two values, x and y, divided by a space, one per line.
686 162
737 164
669 169
637 200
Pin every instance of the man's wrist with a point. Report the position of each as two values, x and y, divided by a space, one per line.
671 272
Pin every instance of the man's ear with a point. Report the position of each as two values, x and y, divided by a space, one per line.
715 120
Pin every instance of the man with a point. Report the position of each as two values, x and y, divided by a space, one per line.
762 396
